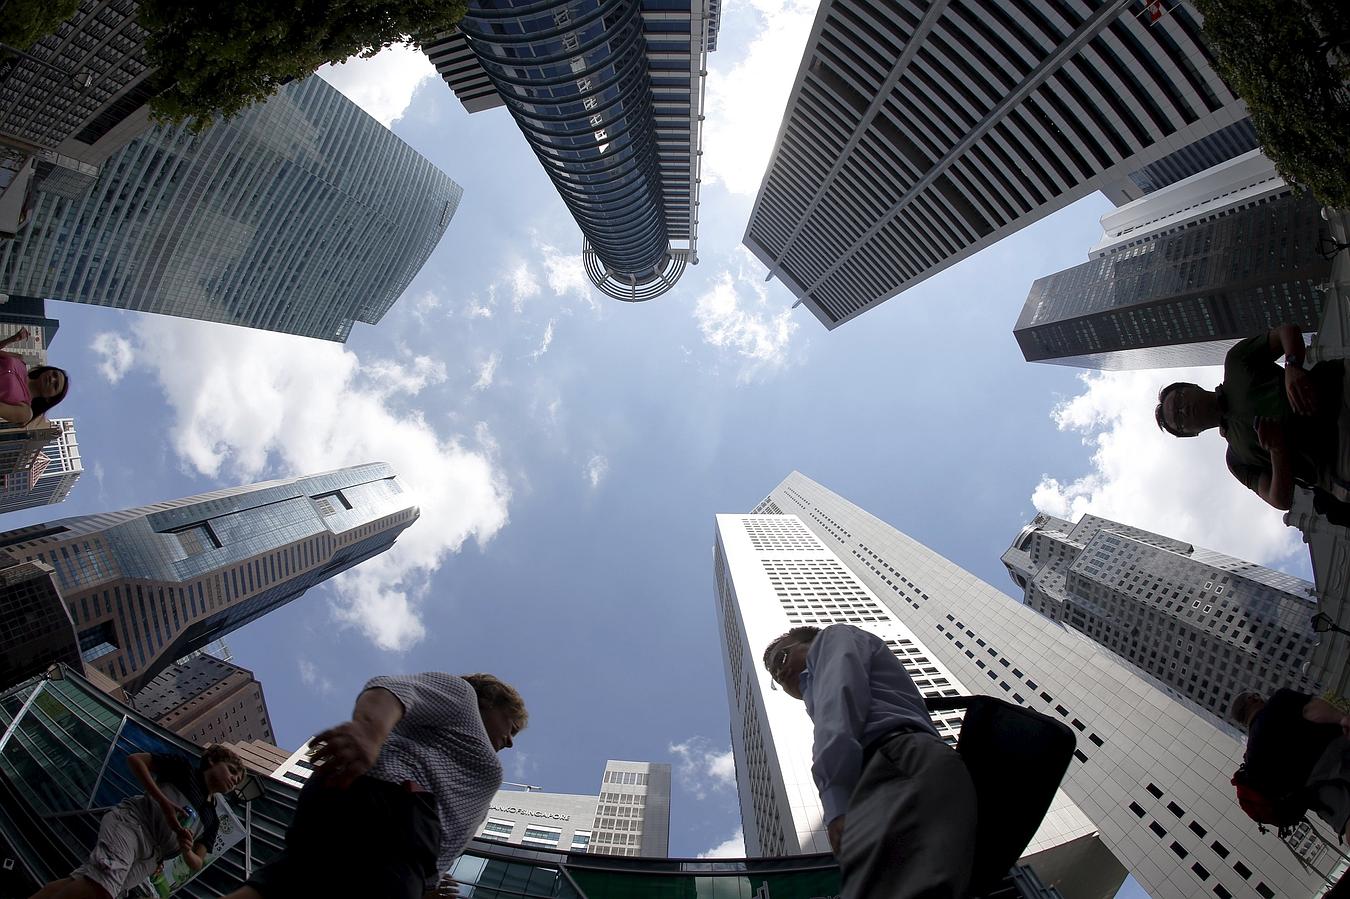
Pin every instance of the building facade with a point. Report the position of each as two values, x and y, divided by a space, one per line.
1182 274
536 820
301 215
51 475
149 585
1151 771
609 94
633 817
772 574
1207 625
207 700
36 630
918 134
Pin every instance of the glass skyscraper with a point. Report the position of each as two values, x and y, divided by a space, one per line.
301 215
148 585
609 93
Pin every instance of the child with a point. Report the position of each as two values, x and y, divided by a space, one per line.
175 815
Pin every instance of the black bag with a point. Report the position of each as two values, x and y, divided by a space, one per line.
1016 758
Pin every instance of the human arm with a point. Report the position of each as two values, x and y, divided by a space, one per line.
841 694
1288 339
1319 711
347 751
16 413
447 887
21 334
1276 487
142 765
193 854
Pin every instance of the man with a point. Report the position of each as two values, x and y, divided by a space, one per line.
398 790
1297 743
1282 425
899 803
175 815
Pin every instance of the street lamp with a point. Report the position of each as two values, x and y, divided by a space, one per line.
1323 623
81 79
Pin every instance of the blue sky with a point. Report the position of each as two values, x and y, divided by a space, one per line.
569 452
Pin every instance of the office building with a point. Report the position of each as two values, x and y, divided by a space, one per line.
36 630
48 479
302 215
1182 274
918 134
207 700
634 813
149 585
772 575
610 97
260 756
1151 771
537 820
1207 625
49 820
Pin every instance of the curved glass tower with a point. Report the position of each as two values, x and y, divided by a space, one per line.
607 92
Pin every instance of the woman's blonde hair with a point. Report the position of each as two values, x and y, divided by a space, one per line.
494 693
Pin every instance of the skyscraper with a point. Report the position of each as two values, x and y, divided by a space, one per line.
36 630
1207 625
1182 274
207 700
302 215
610 97
1151 771
48 479
918 134
148 585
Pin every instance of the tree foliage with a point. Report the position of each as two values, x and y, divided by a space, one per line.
25 22
217 57
1288 60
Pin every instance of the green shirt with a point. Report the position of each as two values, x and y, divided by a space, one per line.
1252 388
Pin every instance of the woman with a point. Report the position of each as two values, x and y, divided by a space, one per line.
25 394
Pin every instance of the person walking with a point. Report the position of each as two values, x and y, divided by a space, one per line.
899 803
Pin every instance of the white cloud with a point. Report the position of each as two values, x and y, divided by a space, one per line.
523 285
384 84
425 304
544 343
253 404
735 315
115 355
1144 477
564 272
487 371
310 677
703 767
746 104
596 469
733 847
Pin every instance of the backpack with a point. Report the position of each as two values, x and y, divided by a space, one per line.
1283 812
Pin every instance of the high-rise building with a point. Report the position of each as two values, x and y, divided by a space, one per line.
302 214
610 97
1207 625
260 756
772 574
36 630
207 700
538 820
1151 770
918 134
1182 274
633 817
51 475
148 585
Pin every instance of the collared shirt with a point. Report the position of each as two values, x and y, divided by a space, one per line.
1253 387
441 745
856 690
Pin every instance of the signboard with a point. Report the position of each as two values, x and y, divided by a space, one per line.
175 872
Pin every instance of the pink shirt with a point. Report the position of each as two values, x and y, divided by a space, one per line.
14 381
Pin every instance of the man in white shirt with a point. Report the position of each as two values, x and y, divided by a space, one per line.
899 803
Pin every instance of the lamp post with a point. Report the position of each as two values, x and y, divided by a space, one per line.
1323 623
81 79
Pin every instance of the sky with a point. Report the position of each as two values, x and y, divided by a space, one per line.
568 452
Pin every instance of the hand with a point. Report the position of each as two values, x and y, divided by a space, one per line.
1270 434
1299 387
447 887
345 752
836 831
171 814
185 844
21 334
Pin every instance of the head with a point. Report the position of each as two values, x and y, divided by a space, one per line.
502 709
48 385
222 769
1245 707
785 658
1176 410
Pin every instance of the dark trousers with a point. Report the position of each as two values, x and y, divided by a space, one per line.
909 832
373 840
